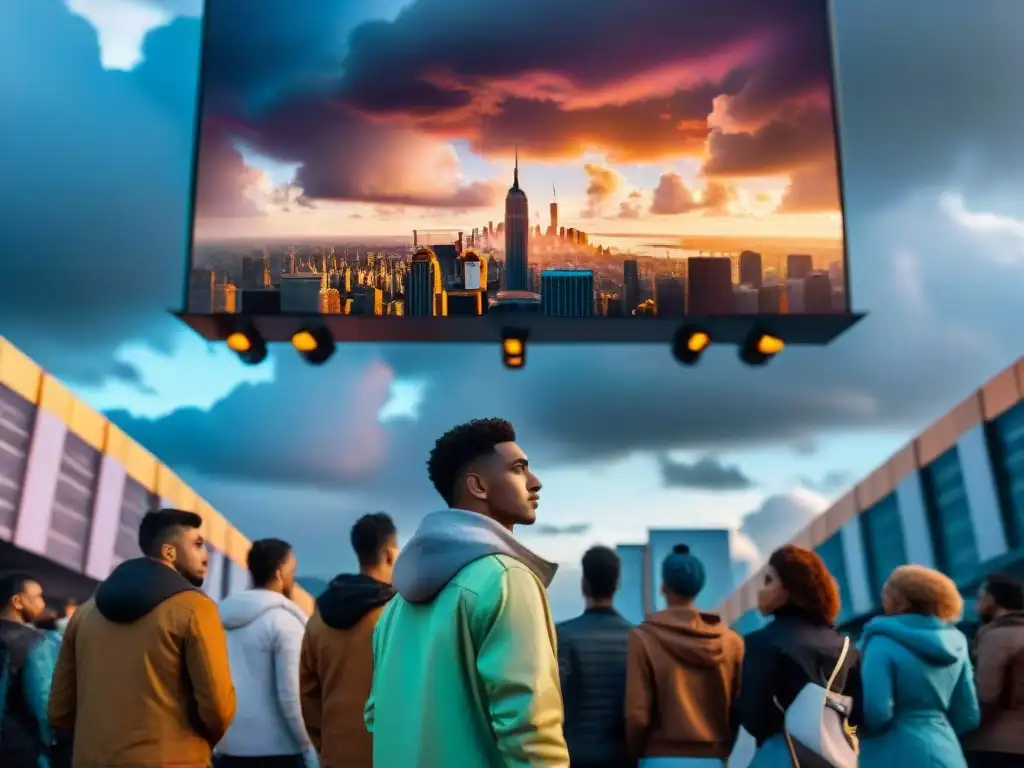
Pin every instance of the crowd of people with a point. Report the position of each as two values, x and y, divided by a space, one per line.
445 655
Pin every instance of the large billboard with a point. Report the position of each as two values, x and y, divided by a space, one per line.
439 169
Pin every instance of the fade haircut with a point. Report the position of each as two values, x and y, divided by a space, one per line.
12 584
459 447
264 558
1006 591
601 568
161 526
370 535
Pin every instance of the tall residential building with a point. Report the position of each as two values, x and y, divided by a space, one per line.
818 294
466 302
300 293
630 286
517 236
330 301
422 285
751 268
253 272
567 293
259 301
799 265
709 285
771 300
632 599
746 300
795 292
670 296
202 287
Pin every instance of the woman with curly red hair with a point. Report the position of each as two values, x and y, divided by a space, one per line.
799 646
919 694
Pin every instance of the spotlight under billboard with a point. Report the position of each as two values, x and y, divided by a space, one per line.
591 191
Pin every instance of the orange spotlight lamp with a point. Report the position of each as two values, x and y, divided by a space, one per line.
248 345
689 344
316 345
760 347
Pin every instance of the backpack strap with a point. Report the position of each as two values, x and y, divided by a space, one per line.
839 665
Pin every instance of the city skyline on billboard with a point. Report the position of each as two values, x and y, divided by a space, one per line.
662 159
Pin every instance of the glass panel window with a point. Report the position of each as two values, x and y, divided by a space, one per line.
1008 458
831 552
884 546
949 517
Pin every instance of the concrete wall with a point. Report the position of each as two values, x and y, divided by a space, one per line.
72 485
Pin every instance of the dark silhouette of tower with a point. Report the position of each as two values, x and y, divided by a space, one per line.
517 235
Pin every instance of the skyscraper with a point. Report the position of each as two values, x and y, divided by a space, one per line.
300 293
201 289
798 265
670 296
554 213
567 293
818 293
751 269
517 236
709 285
423 283
630 286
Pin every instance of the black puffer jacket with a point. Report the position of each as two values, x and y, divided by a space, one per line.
592 668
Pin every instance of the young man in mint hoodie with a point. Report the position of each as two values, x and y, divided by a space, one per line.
465 665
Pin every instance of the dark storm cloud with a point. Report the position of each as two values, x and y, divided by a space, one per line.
706 474
92 235
797 137
637 83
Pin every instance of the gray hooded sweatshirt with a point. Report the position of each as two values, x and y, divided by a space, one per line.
448 541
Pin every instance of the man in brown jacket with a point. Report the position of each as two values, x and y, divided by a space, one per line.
336 668
999 676
142 678
682 674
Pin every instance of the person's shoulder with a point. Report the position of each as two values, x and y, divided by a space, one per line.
192 602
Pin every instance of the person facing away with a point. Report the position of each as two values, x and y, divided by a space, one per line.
683 676
24 674
337 651
918 688
465 667
592 668
264 635
142 678
799 646
999 675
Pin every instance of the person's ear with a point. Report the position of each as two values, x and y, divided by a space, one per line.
476 486
169 552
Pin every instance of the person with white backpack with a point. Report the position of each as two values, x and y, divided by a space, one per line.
919 693
801 679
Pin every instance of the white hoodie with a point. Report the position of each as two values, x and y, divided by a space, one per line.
264 631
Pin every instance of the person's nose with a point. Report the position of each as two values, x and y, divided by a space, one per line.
535 484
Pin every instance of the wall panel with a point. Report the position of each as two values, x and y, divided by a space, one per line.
106 518
17 420
40 487
74 503
982 494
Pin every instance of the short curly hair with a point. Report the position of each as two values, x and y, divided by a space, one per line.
459 447
926 591
811 586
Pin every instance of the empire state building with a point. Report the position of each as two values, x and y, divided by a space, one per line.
517 236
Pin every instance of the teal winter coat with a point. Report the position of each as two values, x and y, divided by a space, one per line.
918 693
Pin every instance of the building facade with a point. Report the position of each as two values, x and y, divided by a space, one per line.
952 499
567 293
74 487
